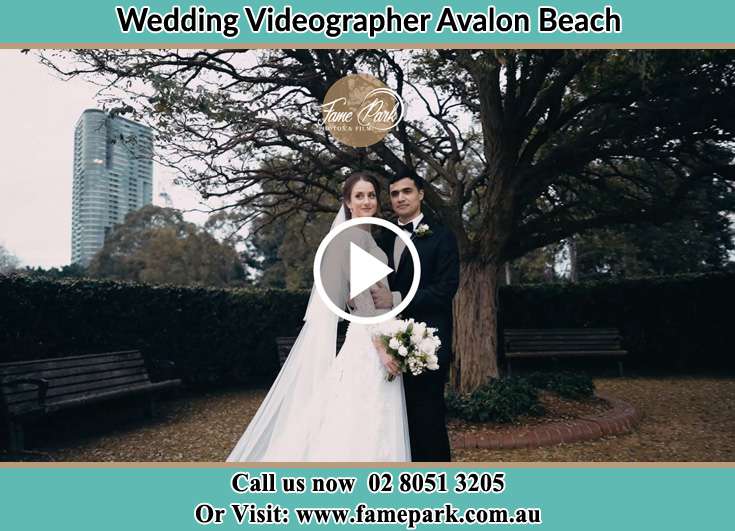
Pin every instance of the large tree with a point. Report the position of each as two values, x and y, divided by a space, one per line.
699 244
56 273
155 245
8 261
693 245
281 255
521 148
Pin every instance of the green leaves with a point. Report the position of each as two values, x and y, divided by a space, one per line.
505 399
667 323
214 336
155 245
499 400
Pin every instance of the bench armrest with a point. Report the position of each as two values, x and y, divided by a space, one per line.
41 383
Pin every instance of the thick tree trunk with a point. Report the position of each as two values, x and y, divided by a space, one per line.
475 339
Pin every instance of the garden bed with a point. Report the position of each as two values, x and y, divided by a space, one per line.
556 409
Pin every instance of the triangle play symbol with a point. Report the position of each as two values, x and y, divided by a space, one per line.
365 270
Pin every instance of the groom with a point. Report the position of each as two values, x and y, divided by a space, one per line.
437 250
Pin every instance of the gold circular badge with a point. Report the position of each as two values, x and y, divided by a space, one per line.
359 110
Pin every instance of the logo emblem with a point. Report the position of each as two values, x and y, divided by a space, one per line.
359 110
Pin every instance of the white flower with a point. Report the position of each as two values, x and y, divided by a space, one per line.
427 345
415 354
422 230
418 331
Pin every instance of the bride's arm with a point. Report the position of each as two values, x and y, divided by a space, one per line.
335 271
386 359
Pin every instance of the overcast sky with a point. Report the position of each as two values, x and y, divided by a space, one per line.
36 156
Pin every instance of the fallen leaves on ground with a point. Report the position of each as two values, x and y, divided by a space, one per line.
555 409
683 419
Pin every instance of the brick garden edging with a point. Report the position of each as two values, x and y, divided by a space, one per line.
620 419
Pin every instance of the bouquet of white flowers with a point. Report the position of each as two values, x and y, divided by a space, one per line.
413 345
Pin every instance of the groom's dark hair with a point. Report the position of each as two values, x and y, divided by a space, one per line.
408 174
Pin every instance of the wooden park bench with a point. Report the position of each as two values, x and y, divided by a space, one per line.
37 388
528 343
285 344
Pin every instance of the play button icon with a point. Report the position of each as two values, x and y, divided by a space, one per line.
365 270
344 267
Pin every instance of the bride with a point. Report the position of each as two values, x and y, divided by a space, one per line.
327 408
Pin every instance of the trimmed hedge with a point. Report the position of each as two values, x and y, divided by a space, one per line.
225 335
673 323
214 335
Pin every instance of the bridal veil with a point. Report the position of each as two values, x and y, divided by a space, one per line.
279 431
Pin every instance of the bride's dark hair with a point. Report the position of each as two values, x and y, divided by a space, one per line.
350 182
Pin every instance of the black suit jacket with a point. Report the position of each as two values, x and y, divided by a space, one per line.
439 260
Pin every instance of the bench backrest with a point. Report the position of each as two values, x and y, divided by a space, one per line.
285 344
71 377
567 339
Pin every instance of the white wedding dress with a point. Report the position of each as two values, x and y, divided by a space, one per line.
327 408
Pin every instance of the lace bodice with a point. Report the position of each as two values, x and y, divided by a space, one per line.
363 301
336 271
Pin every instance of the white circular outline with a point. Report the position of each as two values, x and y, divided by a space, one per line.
399 101
402 234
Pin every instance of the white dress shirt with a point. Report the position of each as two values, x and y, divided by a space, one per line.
398 248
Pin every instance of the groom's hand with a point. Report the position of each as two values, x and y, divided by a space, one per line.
382 297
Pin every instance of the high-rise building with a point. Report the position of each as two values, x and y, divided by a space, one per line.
113 175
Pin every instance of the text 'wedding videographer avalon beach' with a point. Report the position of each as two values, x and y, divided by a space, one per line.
333 25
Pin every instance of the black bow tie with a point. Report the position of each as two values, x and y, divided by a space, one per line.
408 227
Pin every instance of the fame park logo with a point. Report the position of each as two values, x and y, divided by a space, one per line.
359 110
